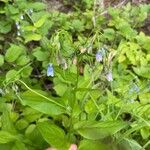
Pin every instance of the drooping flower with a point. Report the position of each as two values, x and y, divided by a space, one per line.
17 25
50 70
18 33
100 54
1 92
109 76
64 64
30 11
21 17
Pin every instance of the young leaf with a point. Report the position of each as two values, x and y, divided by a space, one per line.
144 98
40 22
109 33
21 124
6 137
143 71
11 75
40 55
26 72
13 53
32 37
7 124
22 60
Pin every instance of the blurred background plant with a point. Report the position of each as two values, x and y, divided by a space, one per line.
78 75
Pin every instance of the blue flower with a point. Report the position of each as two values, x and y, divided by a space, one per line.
50 70
99 55
109 76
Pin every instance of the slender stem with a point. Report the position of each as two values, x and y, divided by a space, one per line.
147 143
41 95
5 82
96 105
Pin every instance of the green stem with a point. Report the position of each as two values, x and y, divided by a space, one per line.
147 143
41 95
96 105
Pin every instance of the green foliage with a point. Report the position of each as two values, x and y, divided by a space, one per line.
80 77
98 130
54 135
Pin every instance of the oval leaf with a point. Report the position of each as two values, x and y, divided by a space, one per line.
54 135
97 130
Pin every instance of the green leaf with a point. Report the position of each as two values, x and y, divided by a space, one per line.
7 124
89 145
54 135
30 129
37 6
77 25
5 26
13 53
97 130
32 133
144 98
60 88
143 71
129 144
7 146
32 37
109 33
41 104
31 115
22 60
12 75
6 137
145 132
40 22
143 40
5 1
19 146
40 55
26 72
1 60
12 10
111 98
90 107
65 44
21 124
131 52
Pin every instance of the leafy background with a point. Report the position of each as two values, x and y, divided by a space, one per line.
95 103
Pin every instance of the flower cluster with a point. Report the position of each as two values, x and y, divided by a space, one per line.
30 11
18 28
